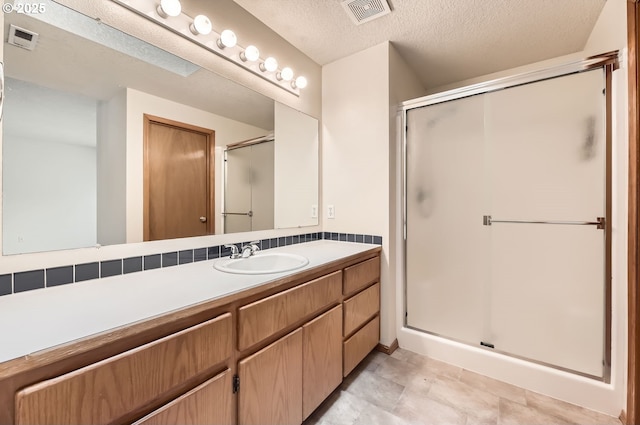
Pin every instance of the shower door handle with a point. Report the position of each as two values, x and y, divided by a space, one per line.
599 223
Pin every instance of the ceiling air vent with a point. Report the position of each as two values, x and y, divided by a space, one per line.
22 38
361 11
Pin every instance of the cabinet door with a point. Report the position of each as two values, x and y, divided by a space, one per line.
321 358
108 391
271 384
208 403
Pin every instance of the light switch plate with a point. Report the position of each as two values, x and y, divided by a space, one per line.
314 211
331 211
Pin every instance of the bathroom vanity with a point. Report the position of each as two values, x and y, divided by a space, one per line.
261 349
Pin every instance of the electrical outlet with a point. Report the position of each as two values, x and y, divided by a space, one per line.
331 211
314 211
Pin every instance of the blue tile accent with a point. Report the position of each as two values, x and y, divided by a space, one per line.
185 256
26 281
6 284
213 252
110 268
132 265
152 261
87 271
200 254
59 276
169 259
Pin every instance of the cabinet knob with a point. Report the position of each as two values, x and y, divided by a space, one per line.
203 219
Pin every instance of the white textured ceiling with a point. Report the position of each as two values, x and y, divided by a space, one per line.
443 41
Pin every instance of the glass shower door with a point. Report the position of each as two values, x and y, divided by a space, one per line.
446 258
547 163
505 193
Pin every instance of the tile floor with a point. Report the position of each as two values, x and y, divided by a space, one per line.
406 388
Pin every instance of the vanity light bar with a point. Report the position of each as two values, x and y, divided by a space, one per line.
223 44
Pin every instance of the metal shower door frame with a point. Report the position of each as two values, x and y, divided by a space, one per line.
609 62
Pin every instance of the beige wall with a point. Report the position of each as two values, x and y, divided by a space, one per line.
359 154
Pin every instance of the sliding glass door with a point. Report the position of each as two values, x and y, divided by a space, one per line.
505 206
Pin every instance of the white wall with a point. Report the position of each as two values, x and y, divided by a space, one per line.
112 181
296 171
49 195
359 154
138 104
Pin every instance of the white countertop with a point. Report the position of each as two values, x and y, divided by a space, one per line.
36 320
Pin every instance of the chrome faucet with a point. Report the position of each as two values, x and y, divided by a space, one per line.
234 250
250 249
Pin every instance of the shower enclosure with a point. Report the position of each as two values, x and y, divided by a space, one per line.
507 200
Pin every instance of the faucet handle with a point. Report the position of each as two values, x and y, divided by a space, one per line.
255 246
234 250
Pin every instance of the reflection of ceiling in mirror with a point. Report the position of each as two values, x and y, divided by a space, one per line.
64 61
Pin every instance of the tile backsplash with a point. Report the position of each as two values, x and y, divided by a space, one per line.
55 276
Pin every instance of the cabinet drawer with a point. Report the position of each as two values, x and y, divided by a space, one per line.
209 403
360 308
360 275
261 319
106 391
360 344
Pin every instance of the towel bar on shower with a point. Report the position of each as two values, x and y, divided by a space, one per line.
600 222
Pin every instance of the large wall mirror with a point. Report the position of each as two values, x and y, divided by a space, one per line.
97 124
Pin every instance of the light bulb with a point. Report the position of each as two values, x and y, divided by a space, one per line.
251 54
286 74
270 64
201 25
227 39
299 82
168 8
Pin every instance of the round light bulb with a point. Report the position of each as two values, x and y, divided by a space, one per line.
251 54
286 74
169 8
270 64
299 82
227 39
201 25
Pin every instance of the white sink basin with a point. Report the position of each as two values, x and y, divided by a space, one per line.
262 263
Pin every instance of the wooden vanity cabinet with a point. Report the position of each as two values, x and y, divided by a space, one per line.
265 356
361 329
